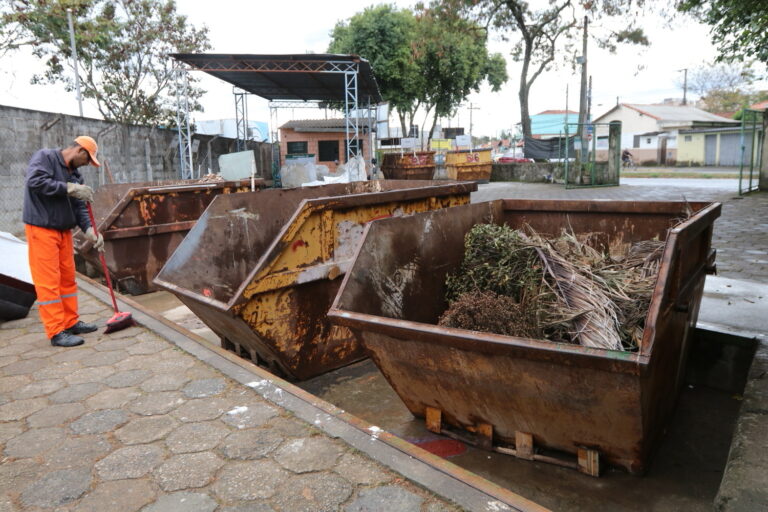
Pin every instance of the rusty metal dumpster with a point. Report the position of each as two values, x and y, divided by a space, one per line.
409 166
143 223
527 396
262 269
469 164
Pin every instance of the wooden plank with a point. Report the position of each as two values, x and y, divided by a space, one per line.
589 461
485 436
434 419
524 445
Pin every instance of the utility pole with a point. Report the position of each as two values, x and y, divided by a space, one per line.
582 131
471 108
74 60
685 85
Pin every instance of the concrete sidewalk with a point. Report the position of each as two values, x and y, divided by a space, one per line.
130 422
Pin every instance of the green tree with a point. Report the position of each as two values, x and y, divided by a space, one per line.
723 101
454 61
426 60
384 35
123 48
544 36
725 87
739 27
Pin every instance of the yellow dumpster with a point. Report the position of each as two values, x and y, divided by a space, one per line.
469 165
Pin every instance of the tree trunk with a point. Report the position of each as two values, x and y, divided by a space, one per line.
525 116
429 136
401 115
432 129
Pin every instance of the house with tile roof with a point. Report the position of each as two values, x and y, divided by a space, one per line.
651 132
551 123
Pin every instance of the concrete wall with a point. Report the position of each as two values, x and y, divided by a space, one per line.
312 139
643 156
133 153
527 172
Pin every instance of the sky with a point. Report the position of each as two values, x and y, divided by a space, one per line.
299 26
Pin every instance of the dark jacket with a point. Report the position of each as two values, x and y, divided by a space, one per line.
46 203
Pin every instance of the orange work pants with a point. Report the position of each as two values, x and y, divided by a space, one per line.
52 263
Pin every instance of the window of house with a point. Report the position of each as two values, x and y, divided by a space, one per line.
297 148
688 138
328 150
357 147
648 140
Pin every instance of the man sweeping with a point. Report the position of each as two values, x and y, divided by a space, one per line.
54 203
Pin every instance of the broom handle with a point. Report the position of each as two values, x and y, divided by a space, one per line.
101 257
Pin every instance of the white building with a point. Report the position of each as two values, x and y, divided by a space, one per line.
650 131
257 130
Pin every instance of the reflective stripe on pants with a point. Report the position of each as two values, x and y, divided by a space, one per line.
52 263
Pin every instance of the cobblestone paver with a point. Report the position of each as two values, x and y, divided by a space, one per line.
127 422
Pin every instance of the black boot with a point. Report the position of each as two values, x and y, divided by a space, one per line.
66 339
81 328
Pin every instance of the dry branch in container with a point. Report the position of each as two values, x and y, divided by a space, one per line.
562 289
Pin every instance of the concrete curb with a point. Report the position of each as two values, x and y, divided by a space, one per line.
451 482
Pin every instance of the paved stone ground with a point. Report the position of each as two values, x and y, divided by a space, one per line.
741 233
128 422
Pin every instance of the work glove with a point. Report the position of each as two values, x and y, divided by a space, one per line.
98 240
82 192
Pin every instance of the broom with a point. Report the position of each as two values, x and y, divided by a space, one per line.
120 320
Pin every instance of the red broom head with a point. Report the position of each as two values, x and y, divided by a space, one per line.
119 321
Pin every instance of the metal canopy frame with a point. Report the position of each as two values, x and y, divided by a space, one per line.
310 78
241 118
183 124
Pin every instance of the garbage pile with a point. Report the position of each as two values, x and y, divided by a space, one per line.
520 283
210 178
306 174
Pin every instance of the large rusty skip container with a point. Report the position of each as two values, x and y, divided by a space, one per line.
262 269
419 165
143 223
516 394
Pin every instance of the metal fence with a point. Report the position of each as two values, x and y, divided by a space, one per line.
751 139
582 169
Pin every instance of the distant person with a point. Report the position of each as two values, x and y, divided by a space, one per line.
626 158
54 203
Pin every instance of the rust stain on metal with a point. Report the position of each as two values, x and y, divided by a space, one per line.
409 166
274 289
567 397
143 223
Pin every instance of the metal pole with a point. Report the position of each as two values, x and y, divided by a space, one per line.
188 126
741 160
74 60
583 94
685 86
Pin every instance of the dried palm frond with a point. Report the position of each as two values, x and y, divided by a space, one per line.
571 291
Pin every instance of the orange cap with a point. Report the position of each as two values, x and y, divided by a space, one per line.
90 146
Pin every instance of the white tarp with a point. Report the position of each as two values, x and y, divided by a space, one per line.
15 261
354 170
